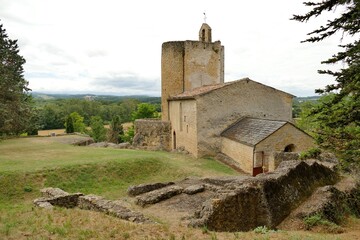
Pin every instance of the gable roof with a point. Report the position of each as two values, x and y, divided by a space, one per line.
198 91
192 94
251 131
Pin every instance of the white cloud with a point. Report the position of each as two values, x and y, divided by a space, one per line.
115 46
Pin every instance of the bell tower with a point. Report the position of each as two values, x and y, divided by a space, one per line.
186 65
205 33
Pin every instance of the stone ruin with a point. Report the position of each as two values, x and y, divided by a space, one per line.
265 200
57 197
295 190
152 134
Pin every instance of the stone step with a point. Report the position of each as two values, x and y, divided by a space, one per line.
158 195
144 188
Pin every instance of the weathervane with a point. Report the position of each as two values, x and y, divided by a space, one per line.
205 17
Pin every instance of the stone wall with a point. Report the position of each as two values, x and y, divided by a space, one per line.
277 157
186 65
265 200
203 64
286 135
152 134
57 197
241 153
218 109
172 67
183 124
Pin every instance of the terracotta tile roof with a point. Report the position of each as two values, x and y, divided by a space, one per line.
198 91
251 131
209 88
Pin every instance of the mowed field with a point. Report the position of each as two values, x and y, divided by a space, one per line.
29 164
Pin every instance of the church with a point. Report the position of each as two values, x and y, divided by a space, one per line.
244 121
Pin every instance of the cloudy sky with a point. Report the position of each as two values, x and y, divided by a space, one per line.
114 47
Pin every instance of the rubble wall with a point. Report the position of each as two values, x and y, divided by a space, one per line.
265 200
152 134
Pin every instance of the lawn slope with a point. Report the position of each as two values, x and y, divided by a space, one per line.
29 164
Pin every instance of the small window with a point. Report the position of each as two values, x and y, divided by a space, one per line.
290 148
180 117
184 118
203 35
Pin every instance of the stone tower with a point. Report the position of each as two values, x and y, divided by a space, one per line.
186 65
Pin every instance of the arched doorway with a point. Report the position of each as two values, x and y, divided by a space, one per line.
289 148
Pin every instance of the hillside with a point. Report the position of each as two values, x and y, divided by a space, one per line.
109 98
29 164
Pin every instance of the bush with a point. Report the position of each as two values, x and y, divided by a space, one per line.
128 135
311 153
262 230
98 131
318 220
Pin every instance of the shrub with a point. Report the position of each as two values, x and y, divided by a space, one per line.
311 153
318 220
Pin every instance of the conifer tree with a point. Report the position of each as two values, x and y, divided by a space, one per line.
116 129
337 116
15 102
98 131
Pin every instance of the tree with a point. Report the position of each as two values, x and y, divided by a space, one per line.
15 102
128 135
98 131
69 125
338 114
51 117
77 121
116 129
144 110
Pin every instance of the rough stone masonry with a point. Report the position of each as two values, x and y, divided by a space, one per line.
239 203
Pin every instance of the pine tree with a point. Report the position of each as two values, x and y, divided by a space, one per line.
116 129
15 102
98 131
338 114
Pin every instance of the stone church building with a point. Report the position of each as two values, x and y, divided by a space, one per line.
244 121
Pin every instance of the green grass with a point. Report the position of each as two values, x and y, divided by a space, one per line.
29 164
34 154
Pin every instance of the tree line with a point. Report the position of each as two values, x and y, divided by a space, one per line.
75 122
52 114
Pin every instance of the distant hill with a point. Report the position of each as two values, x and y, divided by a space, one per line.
110 98
305 99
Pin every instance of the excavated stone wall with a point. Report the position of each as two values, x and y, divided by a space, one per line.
152 134
265 200
57 197
281 199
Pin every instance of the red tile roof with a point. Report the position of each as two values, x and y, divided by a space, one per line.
209 88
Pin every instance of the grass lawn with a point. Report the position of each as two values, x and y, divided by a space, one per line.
29 164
